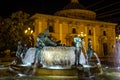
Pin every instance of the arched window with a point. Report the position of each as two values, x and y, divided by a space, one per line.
119 28
51 29
105 49
73 31
104 33
89 32
50 24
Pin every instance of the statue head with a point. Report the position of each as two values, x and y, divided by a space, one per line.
77 39
82 39
46 32
89 40
19 42
40 36
25 45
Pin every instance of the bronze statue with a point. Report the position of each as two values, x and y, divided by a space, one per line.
90 49
25 48
84 50
77 42
19 51
42 41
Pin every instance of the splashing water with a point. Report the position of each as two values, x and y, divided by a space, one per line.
58 56
97 58
118 53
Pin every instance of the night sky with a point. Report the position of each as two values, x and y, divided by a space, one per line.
31 6
105 9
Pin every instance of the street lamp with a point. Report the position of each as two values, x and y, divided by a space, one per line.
82 35
29 32
118 37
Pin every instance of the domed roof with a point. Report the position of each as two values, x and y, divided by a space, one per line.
76 10
74 5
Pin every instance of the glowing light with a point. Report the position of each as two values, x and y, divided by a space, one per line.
28 31
28 28
118 37
31 31
81 34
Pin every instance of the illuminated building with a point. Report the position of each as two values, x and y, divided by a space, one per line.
73 20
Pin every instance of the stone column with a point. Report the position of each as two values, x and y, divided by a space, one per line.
94 38
60 31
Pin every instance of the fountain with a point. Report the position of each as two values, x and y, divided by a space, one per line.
58 57
48 59
118 53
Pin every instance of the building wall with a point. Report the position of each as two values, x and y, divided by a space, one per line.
101 33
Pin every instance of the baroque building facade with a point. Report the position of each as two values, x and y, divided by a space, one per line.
73 20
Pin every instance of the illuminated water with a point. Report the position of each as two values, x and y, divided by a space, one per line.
108 74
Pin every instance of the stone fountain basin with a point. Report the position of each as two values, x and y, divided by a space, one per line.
58 57
52 57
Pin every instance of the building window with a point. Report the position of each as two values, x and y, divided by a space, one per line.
73 31
104 33
119 28
90 32
51 29
105 49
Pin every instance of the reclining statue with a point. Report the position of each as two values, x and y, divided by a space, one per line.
42 41
32 56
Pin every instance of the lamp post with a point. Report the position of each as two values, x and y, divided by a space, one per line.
118 37
29 33
81 35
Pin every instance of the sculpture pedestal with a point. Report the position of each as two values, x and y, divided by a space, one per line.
56 72
74 71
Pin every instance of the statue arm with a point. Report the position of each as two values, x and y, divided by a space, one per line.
51 42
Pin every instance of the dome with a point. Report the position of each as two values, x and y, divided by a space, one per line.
74 6
77 11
